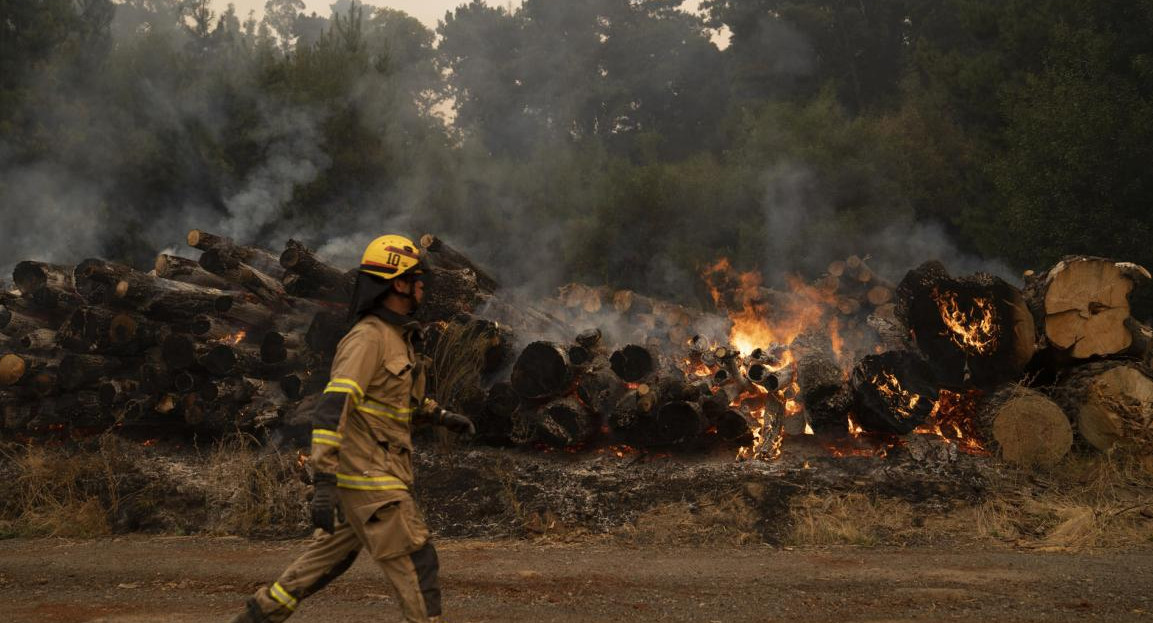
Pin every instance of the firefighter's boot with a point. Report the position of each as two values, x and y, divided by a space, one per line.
253 614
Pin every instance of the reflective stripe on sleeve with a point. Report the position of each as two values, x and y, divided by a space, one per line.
373 407
280 595
370 483
345 386
326 437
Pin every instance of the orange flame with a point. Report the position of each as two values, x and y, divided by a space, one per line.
901 401
954 419
973 330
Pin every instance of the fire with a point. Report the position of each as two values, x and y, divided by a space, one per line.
954 420
232 339
903 402
973 330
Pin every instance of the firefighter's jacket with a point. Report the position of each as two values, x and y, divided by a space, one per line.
381 380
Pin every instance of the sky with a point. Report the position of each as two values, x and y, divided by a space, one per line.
427 11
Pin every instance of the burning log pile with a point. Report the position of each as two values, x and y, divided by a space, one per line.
238 338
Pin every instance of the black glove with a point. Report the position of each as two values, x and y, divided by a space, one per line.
456 423
324 504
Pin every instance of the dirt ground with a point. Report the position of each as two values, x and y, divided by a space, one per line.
143 579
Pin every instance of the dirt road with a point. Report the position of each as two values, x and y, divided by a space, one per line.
143 579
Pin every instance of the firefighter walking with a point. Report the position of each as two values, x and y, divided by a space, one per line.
362 448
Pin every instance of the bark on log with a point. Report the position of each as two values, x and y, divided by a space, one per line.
117 392
39 340
566 422
974 330
263 261
600 388
445 256
893 392
541 371
141 290
185 270
312 278
31 276
83 370
1082 303
633 363
15 324
264 286
96 280
455 292
1112 405
678 422
1024 427
634 415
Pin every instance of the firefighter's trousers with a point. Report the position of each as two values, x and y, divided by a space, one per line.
393 534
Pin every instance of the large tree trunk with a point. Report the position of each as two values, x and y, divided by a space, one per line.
263 261
1111 403
893 392
264 286
542 371
312 278
1082 304
1024 427
189 271
974 331
444 256
566 422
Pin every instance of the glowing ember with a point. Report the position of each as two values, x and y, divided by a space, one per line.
900 401
954 419
973 329
232 339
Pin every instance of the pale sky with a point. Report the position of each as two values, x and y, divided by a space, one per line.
427 11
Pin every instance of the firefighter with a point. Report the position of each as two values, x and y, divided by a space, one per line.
362 448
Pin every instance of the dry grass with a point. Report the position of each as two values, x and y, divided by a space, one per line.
848 519
725 519
254 491
457 358
112 485
67 493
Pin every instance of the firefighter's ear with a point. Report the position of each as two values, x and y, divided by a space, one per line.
402 286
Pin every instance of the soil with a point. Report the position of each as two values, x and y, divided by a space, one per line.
148 579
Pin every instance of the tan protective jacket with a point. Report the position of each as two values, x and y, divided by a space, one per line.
383 378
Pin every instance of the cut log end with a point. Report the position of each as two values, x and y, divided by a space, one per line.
1026 428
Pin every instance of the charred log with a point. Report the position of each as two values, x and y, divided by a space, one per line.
678 422
566 422
228 266
78 371
312 278
633 363
261 260
449 258
893 392
541 371
181 269
15 324
976 330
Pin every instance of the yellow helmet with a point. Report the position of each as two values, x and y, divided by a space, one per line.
391 256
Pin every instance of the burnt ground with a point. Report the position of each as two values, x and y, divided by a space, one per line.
924 533
147 579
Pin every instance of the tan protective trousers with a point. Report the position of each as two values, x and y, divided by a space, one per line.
413 574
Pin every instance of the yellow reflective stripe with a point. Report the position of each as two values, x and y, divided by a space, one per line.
370 483
326 437
348 383
385 411
342 389
279 594
376 403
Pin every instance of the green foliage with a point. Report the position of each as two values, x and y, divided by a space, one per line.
609 140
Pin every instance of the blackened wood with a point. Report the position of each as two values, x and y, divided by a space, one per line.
116 392
230 390
260 259
142 291
633 363
444 256
312 278
76 410
566 422
15 324
542 370
277 347
678 422
893 392
634 416
189 271
31 276
96 280
452 292
39 340
600 388
974 331
155 378
250 312
733 427
264 286
78 370
495 424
